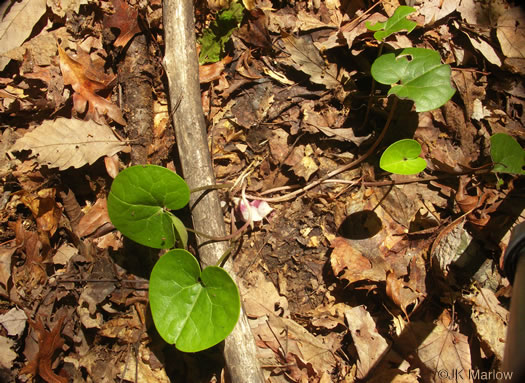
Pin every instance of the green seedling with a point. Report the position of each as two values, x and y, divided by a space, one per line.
192 309
214 38
402 157
396 23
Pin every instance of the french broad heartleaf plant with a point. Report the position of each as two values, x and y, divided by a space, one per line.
192 309
417 74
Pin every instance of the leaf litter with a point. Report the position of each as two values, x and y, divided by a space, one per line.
350 280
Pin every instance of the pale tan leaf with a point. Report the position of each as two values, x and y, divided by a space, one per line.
485 49
307 58
445 350
435 10
63 143
7 355
14 321
511 32
60 8
16 24
370 345
5 264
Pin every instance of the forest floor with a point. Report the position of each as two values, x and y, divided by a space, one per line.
367 276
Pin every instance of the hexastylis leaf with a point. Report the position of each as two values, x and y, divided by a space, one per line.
421 77
192 309
507 154
138 204
402 157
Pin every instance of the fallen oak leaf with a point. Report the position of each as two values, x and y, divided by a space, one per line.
85 82
48 343
125 20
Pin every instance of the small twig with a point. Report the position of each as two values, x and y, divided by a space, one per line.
227 185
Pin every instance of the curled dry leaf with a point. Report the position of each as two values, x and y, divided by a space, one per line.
85 82
45 209
48 343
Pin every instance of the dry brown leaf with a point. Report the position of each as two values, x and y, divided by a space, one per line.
14 321
490 319
260 296
482 46
144 371
63 143
16 24
370 345
255 30
64 254
444 350
435 10
400 293
85 81
60 8
307 354
125 19
353 265
32 273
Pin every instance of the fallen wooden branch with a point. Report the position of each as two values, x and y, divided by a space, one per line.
180 62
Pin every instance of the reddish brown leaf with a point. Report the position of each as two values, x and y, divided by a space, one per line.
94 219
48 343
85 81
212 72
124 19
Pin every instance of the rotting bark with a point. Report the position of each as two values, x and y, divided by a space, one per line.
182 71
138 99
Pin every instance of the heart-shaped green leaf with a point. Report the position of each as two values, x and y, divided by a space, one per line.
423 79
397 22
507 154
191 309
138 202
402 157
